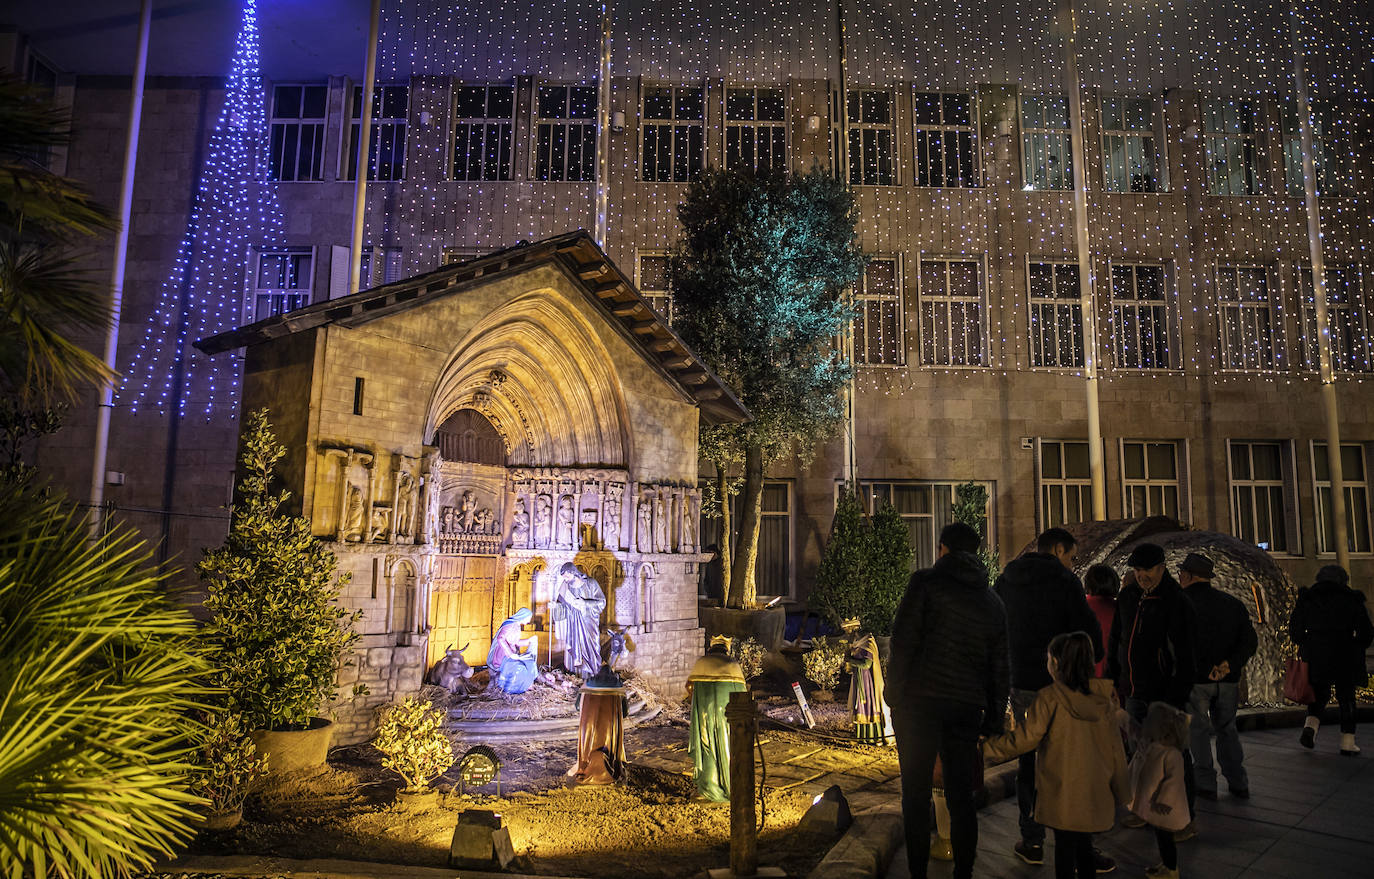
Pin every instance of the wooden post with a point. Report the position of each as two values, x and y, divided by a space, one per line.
743 720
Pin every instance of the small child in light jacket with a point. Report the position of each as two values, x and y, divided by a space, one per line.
1080 764
1158 792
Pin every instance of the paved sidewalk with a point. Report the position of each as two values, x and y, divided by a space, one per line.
1311 816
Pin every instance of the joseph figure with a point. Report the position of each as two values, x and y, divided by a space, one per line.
577 620
714 677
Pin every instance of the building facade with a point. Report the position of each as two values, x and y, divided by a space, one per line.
952 124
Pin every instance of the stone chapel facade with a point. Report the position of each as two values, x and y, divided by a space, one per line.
456 437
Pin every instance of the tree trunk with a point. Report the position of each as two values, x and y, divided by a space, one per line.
722 484
743 587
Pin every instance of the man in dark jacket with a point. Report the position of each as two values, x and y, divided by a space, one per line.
1221 656
947 684
1043 599
1152 653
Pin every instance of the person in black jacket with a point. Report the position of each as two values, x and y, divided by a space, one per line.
1043 599
1330 624
1221 657
947 684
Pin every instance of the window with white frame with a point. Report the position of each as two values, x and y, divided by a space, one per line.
926 508
386 153
1066 485
1140 317
1056 315
378 266
1249 339
1231 131
1046 160
878 323
1150 480
653 281
1130 162
483 132
1330 151
673 133
951 312
1262 493
281 281
297 132
871 137
756 128
1347 313
946 139
773 570
1355 479
565 133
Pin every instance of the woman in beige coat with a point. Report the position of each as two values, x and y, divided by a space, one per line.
1080 764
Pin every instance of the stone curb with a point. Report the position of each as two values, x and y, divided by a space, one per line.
254 865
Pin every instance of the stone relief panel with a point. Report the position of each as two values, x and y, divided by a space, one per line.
470 505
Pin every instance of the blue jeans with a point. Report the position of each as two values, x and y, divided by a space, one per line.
925 728
1031 832
1212 707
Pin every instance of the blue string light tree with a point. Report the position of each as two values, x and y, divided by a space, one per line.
235 209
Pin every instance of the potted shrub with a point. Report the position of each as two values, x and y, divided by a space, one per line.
822 665
278 631
411 737
228 765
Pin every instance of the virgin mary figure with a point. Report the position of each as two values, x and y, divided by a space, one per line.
512 659
577 620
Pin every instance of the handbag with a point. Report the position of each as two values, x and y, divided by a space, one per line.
1296 685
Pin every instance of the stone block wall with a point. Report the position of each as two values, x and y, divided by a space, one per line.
390 674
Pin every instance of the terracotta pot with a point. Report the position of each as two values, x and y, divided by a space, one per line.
225 820
764 625
421 798
287 750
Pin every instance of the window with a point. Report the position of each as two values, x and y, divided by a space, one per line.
565 133
1329 151
1056 315
281 281
1045 157
773 571
483 132
878 324
1231 126
1247 318
925 507
379 265
653 282
1129 162
1140 317
951 312
386 152
1261 496
1066 485
946 139
674 133
1356 484
870 137
453 255
1150 479
297 149
1347 314
755 128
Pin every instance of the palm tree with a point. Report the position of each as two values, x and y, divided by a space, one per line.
45 295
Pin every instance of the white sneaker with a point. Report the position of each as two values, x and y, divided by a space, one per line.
1348 746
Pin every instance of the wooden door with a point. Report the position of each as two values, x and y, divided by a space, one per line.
460 610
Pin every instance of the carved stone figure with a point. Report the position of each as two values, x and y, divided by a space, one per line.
661 542
576 619
644 525
611 537
353 515
520 524
467 512
566 522
380 524
543 520
482 521
448 523
405 503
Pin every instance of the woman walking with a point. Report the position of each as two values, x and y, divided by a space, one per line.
1330 624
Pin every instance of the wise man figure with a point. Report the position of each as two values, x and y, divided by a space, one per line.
714 677
577 620
602 706
872 722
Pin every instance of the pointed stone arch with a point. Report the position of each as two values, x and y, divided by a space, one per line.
537 371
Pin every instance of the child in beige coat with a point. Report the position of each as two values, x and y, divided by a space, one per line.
1080 764
1158 793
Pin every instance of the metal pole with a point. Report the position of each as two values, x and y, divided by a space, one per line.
1326 369
364 150
743 721
603 128
126 200
851 424
1085 276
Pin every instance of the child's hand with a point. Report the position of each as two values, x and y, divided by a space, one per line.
1161 808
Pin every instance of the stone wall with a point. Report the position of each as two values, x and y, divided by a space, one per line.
389 672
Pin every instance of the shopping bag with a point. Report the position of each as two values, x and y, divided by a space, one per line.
1296 686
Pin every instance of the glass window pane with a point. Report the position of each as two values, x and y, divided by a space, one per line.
1133 455
1161 461
1050 464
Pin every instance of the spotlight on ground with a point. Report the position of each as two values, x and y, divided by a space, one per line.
480 841
829 814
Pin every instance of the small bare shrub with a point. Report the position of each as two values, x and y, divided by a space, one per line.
412 741
823 663
750 655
